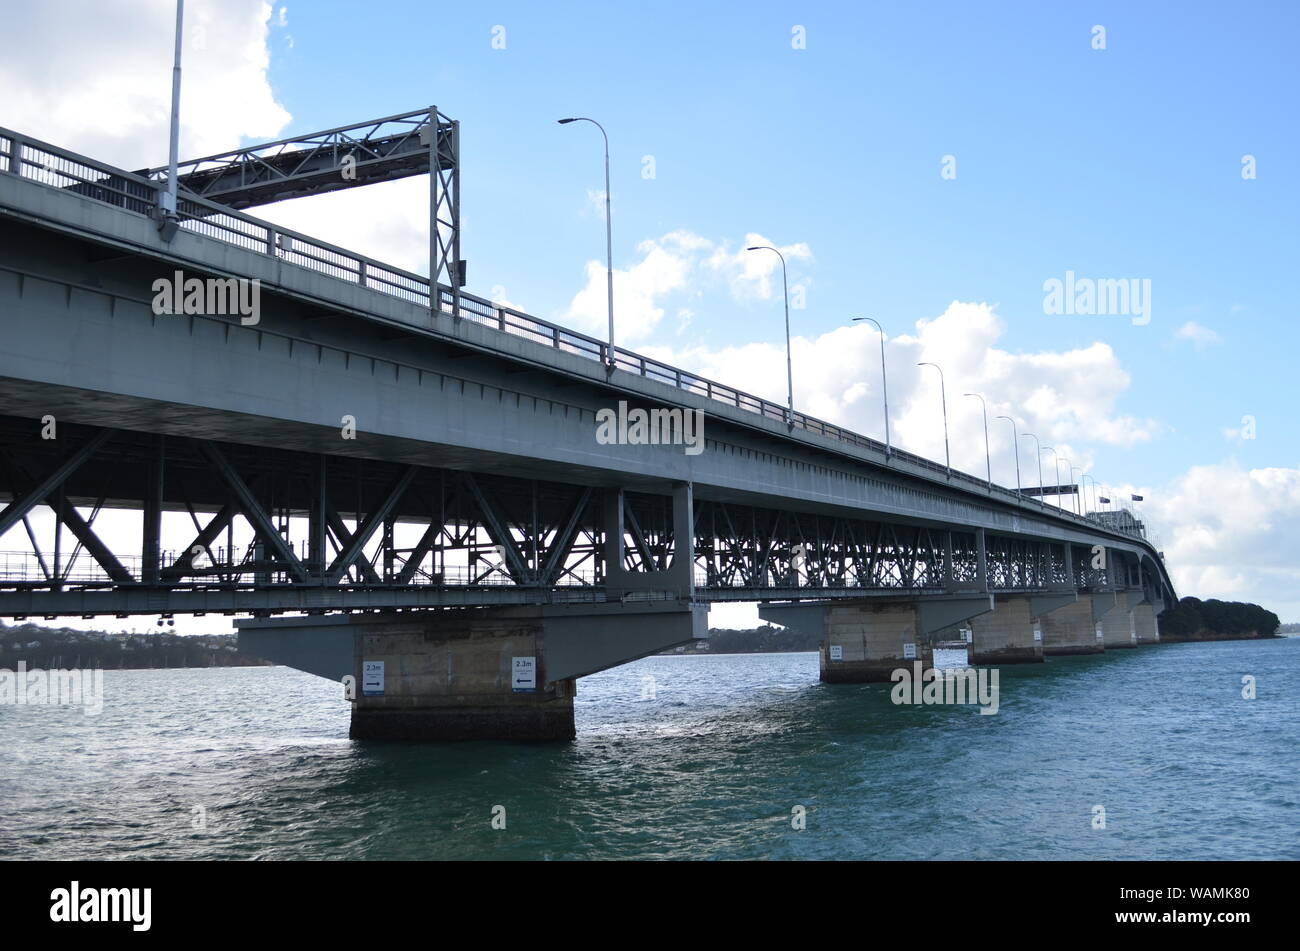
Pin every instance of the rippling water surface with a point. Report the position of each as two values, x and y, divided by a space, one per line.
709 768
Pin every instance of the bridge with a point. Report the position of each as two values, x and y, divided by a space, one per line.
391 481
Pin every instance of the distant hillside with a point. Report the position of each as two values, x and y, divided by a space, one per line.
1192 619
63 647
765 639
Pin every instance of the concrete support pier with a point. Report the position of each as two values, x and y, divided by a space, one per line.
1006 635
866 641
504 673
459 675
1070 629
1144 622
1111 609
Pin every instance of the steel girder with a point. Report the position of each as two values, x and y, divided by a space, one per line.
328 522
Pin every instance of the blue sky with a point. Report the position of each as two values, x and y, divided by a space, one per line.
1122 162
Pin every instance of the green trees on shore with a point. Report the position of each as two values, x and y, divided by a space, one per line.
61 647
1192 617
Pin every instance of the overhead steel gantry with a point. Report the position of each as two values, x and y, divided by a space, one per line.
365 153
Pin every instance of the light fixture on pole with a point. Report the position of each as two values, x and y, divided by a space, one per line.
943 395
884 386
609 237
988 459
785 291
1015 444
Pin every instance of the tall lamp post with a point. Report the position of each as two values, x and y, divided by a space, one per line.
1087 478
1038 455
168 222
884 385
1057 460
785 292
943 395
1015 444
609 236
988 459
1069 473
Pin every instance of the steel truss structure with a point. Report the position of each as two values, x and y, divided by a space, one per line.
364 153
334 532
377 150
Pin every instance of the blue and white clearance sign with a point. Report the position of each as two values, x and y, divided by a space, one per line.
372 678
523 674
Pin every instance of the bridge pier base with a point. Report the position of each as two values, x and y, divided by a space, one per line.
504 673
1070 629
1113 612
458 676
1006 635
866 641
1144 623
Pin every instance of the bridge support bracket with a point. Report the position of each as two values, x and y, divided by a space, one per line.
472 673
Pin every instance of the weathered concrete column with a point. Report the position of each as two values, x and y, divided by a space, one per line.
1144 623
503 673
1070 629
866 641
458 675
1112 612
1006 635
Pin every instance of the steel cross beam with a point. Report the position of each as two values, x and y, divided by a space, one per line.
367 528
252 510
17 510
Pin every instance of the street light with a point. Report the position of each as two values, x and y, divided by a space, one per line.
988 460
609 236
943 395
1015 444
1042 499
168 222
1084 479
785 291
884 386
1057 460
1069 472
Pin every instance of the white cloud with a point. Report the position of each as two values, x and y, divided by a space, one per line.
1231 533
666 266
388 222
95 76
1198 335
1067 399
756 274
683 263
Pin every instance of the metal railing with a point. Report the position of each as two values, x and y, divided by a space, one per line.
244 568
59 168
